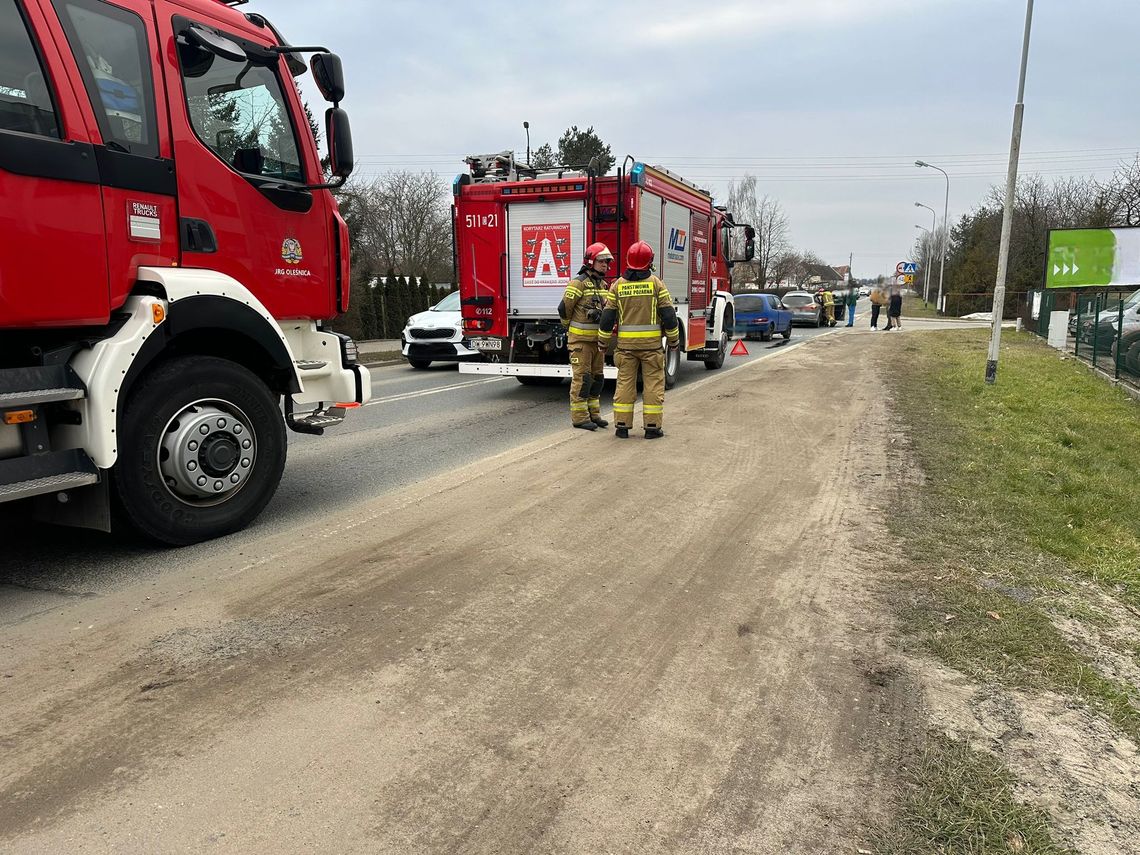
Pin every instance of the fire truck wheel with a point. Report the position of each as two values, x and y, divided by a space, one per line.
672 366
538 381
201 450
715 362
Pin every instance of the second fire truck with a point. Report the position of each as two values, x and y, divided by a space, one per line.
519 239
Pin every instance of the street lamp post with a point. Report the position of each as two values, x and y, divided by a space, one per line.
926 267
945 227
526 127
1007 213
930 255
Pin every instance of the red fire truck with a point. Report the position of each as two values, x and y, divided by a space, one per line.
519 238
170 251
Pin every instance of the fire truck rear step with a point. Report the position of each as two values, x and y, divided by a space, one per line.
54 472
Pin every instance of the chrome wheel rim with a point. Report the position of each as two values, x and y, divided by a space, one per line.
206 452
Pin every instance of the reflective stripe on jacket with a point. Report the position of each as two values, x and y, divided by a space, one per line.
583 296
638 304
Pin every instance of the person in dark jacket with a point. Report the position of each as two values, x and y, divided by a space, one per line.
894 309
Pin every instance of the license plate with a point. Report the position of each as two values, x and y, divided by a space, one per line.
487 343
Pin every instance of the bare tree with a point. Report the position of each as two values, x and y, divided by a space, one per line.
400 221
767 216
783 266
799 264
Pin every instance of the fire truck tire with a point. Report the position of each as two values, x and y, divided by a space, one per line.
715 362
538 381
672 366
201 450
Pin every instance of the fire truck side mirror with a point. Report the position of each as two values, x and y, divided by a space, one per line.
749 243
339 135
329 76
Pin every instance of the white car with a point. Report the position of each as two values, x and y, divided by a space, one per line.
436 335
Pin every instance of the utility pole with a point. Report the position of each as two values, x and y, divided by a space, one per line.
1007 214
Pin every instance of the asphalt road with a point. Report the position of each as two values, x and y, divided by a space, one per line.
418 424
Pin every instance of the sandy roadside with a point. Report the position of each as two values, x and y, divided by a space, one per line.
583 645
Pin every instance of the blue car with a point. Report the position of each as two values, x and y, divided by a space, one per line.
762 316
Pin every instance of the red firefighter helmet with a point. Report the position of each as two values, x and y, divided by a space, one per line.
596 251
639 256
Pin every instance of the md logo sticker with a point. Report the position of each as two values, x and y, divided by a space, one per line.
678 240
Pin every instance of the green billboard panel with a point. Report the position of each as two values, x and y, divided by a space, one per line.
1093 258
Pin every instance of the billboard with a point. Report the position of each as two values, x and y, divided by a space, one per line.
1093 258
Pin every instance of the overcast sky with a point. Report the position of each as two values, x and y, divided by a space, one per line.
827 102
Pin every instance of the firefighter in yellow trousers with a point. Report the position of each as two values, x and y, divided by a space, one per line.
640 304
828 305
580 311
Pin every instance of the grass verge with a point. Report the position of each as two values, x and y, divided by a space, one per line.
381 357
964 805
913 308
1028 512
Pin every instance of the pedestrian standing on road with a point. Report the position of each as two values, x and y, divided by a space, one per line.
580 310
878 300
894 309
640 305
851 300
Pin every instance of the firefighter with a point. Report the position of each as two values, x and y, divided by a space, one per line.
580 310
641 306
829 305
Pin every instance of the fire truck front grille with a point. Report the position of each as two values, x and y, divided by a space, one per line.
418 332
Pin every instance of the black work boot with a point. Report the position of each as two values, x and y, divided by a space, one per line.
599 421
654 433
586 426
622 433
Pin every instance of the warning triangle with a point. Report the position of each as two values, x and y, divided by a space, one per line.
739 349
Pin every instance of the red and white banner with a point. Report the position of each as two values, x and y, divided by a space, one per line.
546 255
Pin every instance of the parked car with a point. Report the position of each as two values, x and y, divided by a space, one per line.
762 316
1103 326
806 309
865 291
436 335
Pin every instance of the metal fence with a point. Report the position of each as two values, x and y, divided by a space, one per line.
958 305
1103 329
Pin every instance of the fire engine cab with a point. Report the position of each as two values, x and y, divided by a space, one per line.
520 235
169 249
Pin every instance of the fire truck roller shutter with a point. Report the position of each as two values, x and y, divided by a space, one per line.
545 244
649 220
673 260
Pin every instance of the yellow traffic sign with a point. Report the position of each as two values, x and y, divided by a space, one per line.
909 279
